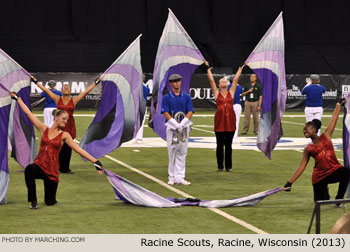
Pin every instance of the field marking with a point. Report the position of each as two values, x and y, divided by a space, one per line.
215 210
160 182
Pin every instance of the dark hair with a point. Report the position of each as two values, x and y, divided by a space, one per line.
316 123
57 112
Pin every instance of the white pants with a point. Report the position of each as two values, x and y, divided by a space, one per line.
139 134
177 158
238 111
314 113
48 117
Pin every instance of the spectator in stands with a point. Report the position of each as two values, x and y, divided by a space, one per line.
253 93
313 102
50 104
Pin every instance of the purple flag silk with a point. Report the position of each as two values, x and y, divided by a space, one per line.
134 194
176 53
122 105
137 195
267 62
15 127
346 137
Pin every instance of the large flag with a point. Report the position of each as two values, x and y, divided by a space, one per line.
14 124
129 192
176 53
267 62
346 137
122 106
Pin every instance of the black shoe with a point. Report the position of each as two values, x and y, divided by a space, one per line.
68 172
34 205
338 205
219 170
229 170
255 133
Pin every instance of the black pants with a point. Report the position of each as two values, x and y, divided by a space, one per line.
321 188
224 140
33 172
64 158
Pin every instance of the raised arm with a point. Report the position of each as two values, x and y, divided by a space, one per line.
235 80
330 129
35 121
52 95
304 161
77 99
74 146
214 89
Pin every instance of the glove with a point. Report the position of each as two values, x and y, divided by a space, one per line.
341 101
174 123
208 66
98 165
97 81
184 121
288 185
242 64
15 97
33 79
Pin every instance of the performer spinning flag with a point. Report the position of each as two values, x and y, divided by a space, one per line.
267 62
177 54
14 125
122 106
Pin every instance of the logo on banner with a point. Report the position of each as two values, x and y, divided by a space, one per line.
201 93
295 93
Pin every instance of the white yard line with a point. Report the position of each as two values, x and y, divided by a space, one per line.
215 210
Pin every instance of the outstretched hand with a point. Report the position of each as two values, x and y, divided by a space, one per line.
99 167
341 101
14 96
288 186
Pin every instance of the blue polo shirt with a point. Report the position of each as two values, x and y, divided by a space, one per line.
145 91
313 94
238 92
172 103
49 103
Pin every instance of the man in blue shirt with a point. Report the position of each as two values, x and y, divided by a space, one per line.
313 102
146 90
237 107
173 102
50 104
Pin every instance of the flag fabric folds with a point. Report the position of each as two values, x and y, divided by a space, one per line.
178 54
346 137
129 192
267 62
15 127
122 106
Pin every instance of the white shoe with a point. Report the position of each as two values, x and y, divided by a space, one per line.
184 182
171 182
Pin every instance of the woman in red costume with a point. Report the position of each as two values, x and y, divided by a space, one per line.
225 118
67 104
46 164
327 169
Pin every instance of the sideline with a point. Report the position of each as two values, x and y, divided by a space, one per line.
215 210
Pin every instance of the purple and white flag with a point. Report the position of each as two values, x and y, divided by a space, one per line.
15 127
346 137
178 54
267 62
129 192
122 106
